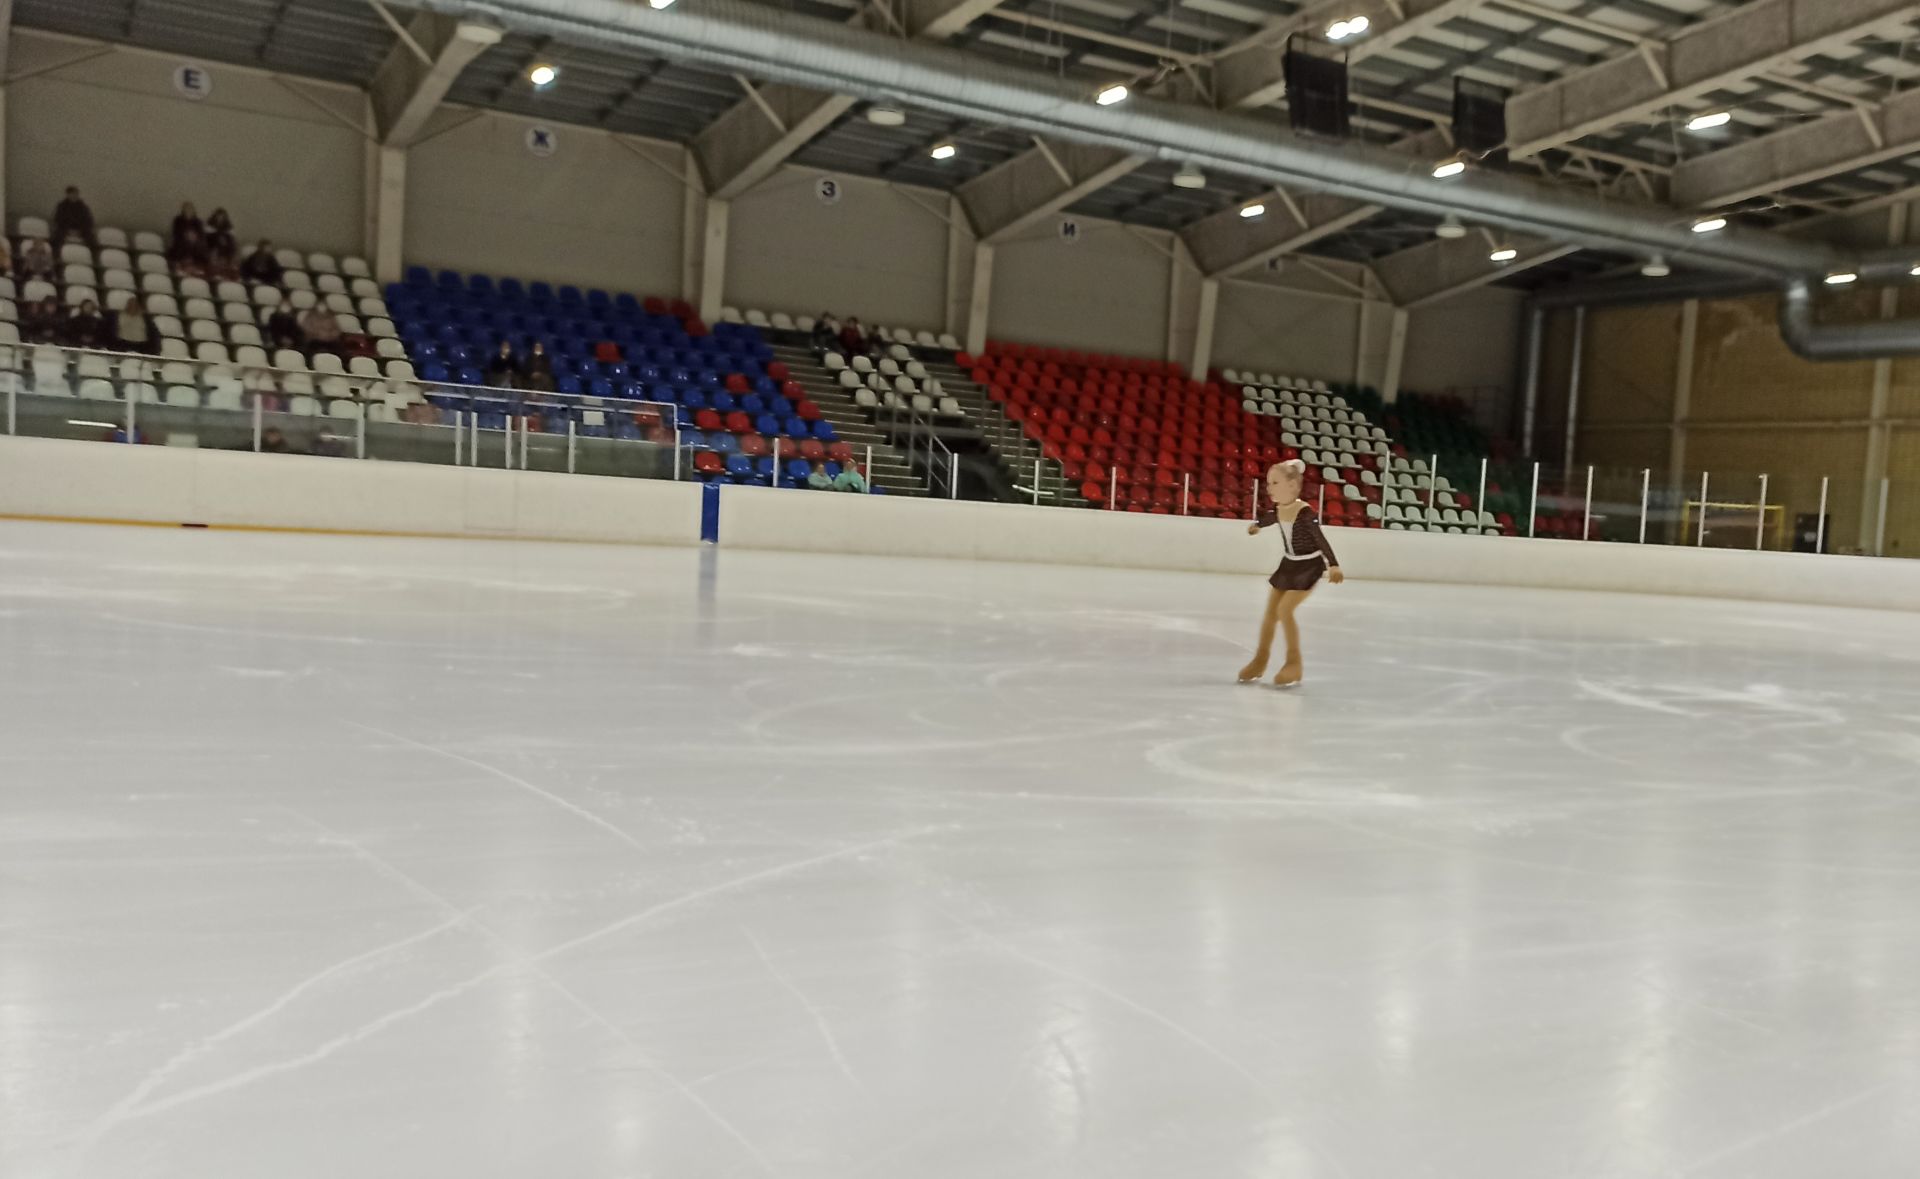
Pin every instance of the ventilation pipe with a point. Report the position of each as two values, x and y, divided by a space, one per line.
762 41
1859 340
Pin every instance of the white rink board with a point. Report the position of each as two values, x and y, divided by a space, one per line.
102 481
889 526
99 481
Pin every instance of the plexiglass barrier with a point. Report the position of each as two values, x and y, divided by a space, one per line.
127 398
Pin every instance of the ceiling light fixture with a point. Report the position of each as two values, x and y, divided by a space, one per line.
658 4
1709 121
1344 30
1915 272
886 116
1252 211
1111 94
1656 267
1710 225
1189 177
1450 228
1843 278
945 151
543 76
1503 255
1447 169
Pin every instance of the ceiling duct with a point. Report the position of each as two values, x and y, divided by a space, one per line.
760 41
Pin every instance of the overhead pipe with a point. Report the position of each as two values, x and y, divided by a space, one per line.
761 41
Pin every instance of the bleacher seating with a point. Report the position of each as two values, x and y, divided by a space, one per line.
217 323
783 325
1142 434
736 406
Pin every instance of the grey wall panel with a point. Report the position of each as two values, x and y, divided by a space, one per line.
1105 291
877 252
592 213
1469 345
1268 329
114 125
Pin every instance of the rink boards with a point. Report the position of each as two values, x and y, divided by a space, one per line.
51 479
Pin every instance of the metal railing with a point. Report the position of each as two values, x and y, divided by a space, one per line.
923 446
133 397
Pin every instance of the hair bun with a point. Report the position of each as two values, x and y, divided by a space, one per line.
1295 466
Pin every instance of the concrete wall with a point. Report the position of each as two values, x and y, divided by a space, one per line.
879 252
1470 347
1753 409
1105 291
92 480
601 211
1269 328
109 120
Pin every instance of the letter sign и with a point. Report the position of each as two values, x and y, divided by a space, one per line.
1069 231
193 82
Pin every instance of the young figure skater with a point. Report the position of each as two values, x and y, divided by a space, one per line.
1307 556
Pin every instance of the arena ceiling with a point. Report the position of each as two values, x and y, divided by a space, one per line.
1817 122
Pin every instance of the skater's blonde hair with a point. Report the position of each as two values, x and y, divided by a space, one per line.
1294 468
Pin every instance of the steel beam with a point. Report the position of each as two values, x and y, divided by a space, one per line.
406 90
1801 153
1251 73
1648 79
1036 184
1441 269
755 136
1226 243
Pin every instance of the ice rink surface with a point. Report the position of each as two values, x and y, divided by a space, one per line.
327 857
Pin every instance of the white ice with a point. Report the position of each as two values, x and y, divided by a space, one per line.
327 857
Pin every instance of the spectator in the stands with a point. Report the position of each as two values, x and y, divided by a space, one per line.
503 367
537 372
223 265
322 329
73 216
262 267
220 232
44 322
6 257
133 331
421 413
818 479
825 335
36 259
188 221
189 252
853 338
86 329
272 441
850 479
283 327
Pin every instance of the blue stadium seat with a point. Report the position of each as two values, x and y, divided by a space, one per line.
540 292
419 276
